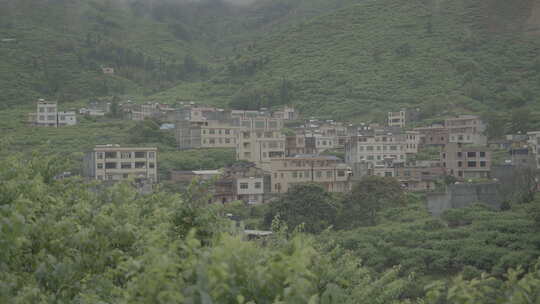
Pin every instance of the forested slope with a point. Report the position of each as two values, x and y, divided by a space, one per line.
373 56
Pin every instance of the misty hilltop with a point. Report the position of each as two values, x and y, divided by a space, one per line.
335 57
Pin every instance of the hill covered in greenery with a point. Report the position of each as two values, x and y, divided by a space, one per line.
373 56
337 58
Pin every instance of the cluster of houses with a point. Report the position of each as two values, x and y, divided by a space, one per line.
47 115
276 150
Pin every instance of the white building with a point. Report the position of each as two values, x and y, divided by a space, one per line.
534 144
67 118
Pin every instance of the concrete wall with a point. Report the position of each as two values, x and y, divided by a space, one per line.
464 195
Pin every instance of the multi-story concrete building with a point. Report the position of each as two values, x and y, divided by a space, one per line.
380 151
421 176
114 163
67 118
466 161
327 171
243 181
287 113
436 135
208 134
534 144
47 115
397 119
295 145
467 129
260 140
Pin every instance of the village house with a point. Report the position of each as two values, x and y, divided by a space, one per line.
435 135
401 118
115 163
260 140
534 144
242 181
397 119
421 176
466 161
209 134
466 129
295 144
378 149
327 171
287 113
47 115
186 177
107 70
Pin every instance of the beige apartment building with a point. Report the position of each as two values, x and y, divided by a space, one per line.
209 134
378 149
260 140
115 163
466 161
467 129
327 171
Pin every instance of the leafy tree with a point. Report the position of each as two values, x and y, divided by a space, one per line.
368 197
309 205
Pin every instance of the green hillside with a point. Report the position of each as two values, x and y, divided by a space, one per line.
339 58
366 58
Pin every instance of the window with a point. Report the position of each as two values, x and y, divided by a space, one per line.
227 140
294 174
212 141
50 117
444 155
41 110
125 165
482 154
100 165
341 173
125 155
41 117
110 154
212 131
227 131
151 155
204 131
110 165
329 174
471 154
259 124
258 185
99 155
319 174
140 154
140 165
51 109
272 124
460 164
100 177
459 154
483 164
393 148
268 134
471 164
62 117
151 165
388 174
369 148
246 134
244 186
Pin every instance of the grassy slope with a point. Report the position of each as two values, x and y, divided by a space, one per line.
377 55
52 36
